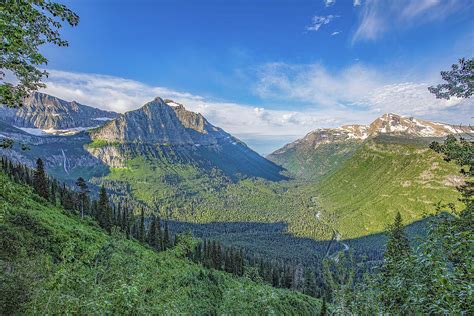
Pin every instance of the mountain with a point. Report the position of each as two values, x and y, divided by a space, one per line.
44 112
167 131
323 150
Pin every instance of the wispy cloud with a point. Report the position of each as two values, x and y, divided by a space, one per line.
335 33
378 17
357 94
245 121
359 91
357 3
317 21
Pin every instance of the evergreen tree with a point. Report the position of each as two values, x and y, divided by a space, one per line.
83 192
141 228
398 247
152 237
324 308
40 180
166 238
104 211
396 278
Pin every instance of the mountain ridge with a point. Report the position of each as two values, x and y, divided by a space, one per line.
46 112
322 150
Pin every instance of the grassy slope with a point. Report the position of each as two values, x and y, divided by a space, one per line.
384 177
54 262
314 164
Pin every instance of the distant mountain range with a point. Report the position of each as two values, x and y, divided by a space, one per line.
322 150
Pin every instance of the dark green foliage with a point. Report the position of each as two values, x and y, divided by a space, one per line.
153 235
459 81
141 227
40 181
398 247
166 238
25 26
395 281
104 210
7 143
58 263
324 309
83 195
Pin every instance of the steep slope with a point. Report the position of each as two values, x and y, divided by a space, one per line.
167 131
322 151
64 156
44 112
386 175
55 263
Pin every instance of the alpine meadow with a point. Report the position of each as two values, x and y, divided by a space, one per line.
236 158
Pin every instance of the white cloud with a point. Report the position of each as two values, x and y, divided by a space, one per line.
335 33
329 3
318 21
357 94
378 17
357 91
241 120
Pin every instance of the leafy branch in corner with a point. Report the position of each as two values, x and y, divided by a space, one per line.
25 25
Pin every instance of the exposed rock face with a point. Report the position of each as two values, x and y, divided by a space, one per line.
166 130
62 155
160 123
47 112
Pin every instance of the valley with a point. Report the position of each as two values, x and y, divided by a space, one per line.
183 168
335 198
236 157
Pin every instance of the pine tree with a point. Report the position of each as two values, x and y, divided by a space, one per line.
141 228
83 192
166 238
104 210
324 308
152 237
395 281
40 180
398 247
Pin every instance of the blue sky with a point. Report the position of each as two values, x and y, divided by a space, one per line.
268 71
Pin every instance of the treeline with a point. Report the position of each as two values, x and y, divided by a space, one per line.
212 254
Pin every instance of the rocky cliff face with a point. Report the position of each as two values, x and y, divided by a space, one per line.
46 112
164 129
158 122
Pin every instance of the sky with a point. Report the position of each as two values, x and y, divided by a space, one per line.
266 71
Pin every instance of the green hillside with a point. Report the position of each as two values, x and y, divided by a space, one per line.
383 177
314 163
53 262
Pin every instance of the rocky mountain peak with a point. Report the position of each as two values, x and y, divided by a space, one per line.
43 111
161 122
389 123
